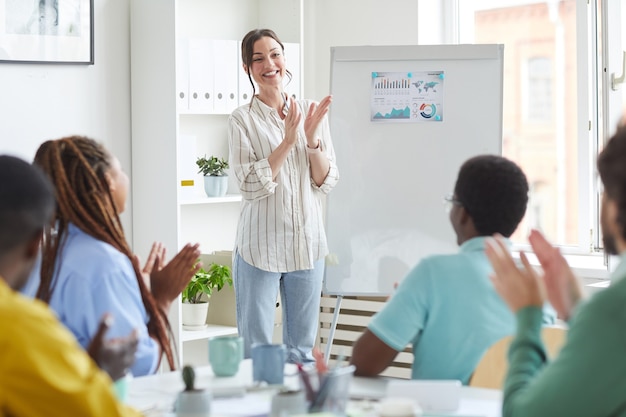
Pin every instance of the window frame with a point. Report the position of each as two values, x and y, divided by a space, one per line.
587 113
612 64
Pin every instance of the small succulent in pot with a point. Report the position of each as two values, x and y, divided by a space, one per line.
212 166
189 378
192 401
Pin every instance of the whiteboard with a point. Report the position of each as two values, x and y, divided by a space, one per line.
386 213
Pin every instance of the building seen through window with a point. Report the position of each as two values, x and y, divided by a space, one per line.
539 104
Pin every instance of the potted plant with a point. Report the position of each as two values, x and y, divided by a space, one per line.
199 289
192 402
215 175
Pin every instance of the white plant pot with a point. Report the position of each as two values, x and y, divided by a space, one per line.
215 186
193 404
194 315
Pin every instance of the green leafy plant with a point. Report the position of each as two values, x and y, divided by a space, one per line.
212 166
205 281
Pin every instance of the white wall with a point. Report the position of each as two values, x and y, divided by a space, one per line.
39 102
351 23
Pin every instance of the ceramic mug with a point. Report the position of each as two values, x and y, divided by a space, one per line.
121 387
268 363
225 355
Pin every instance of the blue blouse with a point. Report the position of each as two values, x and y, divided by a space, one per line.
95 278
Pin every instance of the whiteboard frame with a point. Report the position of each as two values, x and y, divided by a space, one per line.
408 54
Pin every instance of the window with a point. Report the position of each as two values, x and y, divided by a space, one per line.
539 82
542 46
611 41
558 105
622 18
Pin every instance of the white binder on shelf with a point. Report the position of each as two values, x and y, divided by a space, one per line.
188 177
292 59
225 82
244 87
201 75
182 75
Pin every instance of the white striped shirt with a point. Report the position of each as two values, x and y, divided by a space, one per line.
281 226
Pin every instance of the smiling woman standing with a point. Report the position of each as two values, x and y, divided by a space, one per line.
284 162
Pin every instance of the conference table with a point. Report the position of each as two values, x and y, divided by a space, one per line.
238 396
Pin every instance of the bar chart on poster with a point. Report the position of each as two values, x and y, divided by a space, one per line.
403 120
407 96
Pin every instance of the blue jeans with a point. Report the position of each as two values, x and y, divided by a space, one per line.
300 291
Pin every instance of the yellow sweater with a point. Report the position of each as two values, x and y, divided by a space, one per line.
43 370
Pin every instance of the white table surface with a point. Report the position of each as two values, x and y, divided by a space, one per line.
155 394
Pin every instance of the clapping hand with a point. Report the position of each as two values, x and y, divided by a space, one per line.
155 261
292 121
167 281
114 356
314 118
519 287
561 284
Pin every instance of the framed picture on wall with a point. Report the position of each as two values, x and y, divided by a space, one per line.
46 31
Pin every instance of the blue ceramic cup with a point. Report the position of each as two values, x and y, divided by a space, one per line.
121 387
225 355
268 363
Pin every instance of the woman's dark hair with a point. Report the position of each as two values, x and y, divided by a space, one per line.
494 191
612 170
247 50
76 166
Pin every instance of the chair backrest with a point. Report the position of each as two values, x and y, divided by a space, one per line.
355 314
553 339
492 368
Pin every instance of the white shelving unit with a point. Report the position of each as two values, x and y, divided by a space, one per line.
228 198
212 330
159 213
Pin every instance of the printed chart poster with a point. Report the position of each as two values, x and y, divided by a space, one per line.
402 97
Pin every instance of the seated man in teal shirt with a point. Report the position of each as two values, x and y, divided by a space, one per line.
446 306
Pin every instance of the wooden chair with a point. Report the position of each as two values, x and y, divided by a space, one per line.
493 366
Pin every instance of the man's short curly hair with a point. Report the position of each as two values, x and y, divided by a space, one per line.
494 191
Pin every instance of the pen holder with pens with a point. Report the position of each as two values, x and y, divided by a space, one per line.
327 392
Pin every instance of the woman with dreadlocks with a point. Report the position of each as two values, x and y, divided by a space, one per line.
87 267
